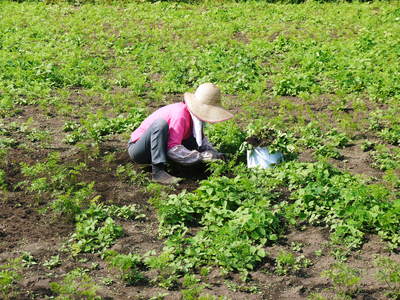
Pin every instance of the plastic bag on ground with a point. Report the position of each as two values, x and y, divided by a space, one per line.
262 158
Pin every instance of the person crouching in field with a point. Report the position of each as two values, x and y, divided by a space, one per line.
175 132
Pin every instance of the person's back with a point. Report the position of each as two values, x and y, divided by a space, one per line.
179 123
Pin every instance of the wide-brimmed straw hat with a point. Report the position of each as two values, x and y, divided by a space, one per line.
205 104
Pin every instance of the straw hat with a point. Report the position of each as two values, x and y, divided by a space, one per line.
205 104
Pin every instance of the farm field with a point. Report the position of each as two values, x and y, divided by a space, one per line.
317 81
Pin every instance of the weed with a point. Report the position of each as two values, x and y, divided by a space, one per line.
166 268
96 230
297 246
192 288
9 276
129 265
318 252
75 284
386 158
288 263
252 289
389 273
128 174
28 260
3 183
97 126
316 296
345 279
107 281
226 137
367 146
52 262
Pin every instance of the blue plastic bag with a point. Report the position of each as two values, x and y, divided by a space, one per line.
260 157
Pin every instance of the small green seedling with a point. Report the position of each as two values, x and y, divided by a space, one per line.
53 262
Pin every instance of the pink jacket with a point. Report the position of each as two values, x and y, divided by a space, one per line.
179 121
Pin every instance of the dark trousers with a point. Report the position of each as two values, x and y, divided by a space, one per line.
151 148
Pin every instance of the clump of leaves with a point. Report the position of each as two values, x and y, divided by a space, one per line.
128 174
236 215
97 126
73 200
225 136
167 268
52 262
95 228
261 133
51 175
28 260
345 279
325 144
3 183
7 142
129 265
192 287
367 146
9 276
76 284
246 288
389 273
386 158
323 195
288 263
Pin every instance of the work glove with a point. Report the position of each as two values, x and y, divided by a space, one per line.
209 155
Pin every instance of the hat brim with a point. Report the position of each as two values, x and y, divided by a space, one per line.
205 112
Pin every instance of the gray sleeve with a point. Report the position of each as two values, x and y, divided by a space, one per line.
207 146
182 155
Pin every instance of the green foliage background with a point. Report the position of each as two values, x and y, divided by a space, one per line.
322 76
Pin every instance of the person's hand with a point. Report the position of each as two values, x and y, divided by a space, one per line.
219 155
209 155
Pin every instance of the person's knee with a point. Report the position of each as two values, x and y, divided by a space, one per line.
161 125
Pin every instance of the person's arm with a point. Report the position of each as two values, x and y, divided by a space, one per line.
206 145
182 155
209 151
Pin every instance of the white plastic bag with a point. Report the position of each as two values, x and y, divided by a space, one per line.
260 157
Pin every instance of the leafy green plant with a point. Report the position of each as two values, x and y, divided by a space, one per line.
51 175
344 279
75 284
325 144
167 269
129 265
6 142
386 158
262 133
192 287
389 273
246 288
97 126
297 246
128 174
287 263
236 214
3 183
95 228
9 276
367 146
227 137
52 262
72 201
28 260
